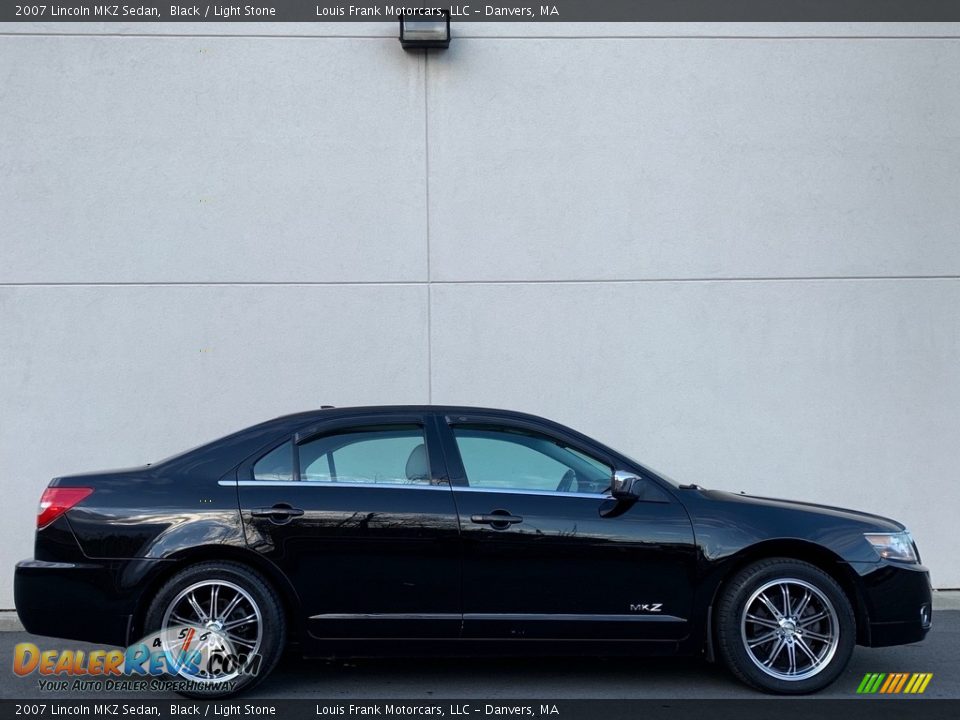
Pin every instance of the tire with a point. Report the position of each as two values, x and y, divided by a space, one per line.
758 640
237 593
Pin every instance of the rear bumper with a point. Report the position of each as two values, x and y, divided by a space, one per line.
85 601
898 602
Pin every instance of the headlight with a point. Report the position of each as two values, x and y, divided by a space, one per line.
893 546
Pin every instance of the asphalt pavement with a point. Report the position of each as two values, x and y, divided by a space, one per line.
556 678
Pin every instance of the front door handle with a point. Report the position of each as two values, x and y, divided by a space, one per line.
498 519
278 513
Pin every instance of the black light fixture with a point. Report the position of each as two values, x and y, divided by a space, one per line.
429 28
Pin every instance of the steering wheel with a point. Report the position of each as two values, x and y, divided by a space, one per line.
566 482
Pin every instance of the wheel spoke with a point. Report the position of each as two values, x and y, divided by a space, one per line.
785 591
802 605
216 644
231 606
762 621
181 620
821 637
761 639
201 615
814 660
214 591
206 648
242 621
770 606
774 652
812 619
236 639
792 658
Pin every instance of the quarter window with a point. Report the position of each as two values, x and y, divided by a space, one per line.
514 460
276 465
395 455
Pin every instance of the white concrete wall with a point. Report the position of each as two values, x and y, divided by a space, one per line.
728 250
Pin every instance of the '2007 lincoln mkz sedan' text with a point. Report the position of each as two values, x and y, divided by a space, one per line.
451 530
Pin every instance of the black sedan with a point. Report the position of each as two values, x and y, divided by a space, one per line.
451 530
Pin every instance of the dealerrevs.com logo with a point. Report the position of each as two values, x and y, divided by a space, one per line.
181 658
894 683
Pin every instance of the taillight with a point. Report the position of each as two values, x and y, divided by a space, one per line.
56 501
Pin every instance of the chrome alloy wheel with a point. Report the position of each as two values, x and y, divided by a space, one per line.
790 629
228 619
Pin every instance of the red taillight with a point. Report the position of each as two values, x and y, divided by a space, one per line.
56 501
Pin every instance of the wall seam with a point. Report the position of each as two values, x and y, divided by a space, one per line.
485 37
430 282
426 194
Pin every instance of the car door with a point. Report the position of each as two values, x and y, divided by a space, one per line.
548 553
358 514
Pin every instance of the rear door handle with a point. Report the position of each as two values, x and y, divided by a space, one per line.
498 520
278 513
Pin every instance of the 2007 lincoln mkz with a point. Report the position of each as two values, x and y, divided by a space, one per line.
450 530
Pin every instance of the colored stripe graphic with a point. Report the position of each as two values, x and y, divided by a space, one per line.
870 683
894 683
903 681
891 680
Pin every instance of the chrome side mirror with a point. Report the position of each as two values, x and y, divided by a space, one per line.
625 485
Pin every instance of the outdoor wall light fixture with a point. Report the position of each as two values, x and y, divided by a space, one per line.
429 29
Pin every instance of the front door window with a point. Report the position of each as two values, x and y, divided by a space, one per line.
500 459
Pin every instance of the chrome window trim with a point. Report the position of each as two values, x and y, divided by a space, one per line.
406 486
516 491
327 484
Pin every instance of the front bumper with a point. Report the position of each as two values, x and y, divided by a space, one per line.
897 601
91 601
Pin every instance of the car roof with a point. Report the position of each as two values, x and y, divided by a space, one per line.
225 449
329 410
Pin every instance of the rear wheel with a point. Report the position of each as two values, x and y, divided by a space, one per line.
221 627
785 626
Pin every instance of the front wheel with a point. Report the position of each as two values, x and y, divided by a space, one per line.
785 626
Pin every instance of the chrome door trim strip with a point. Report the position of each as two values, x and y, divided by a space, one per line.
538 617
387 616
407 486
323 484
546 493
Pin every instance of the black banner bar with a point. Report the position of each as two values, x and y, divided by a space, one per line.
555 11
471 709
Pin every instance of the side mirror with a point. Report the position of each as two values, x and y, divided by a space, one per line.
625 485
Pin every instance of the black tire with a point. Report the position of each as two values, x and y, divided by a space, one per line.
260 596
741 638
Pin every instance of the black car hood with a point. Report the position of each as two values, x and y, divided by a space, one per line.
880 523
